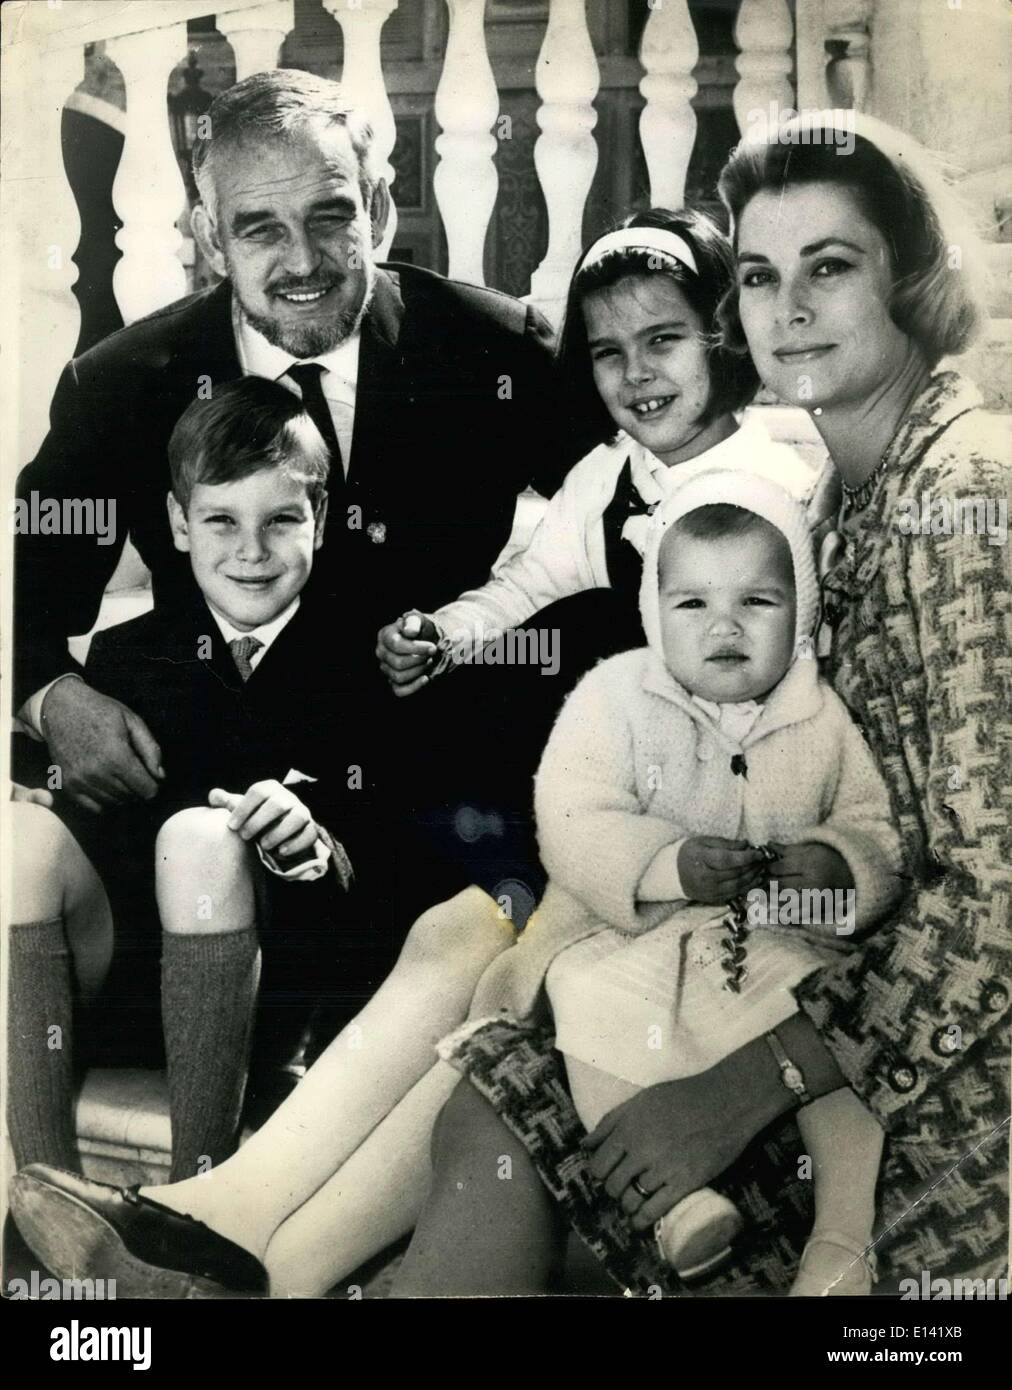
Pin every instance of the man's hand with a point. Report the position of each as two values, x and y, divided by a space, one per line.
715 870
678 1136
406 650
270 814
105 752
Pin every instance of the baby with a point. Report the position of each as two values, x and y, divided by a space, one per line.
674 774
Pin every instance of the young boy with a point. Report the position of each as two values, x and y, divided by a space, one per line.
679 782
234 684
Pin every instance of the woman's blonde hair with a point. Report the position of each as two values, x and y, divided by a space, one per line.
939 284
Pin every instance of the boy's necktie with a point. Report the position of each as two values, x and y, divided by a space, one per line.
242 648
306 376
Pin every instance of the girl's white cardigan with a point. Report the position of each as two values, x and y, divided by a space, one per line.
566 554
633 765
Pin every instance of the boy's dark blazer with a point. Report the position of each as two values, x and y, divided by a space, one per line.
456 412
174 669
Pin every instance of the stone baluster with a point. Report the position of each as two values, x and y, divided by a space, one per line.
565 154
467 103
763 33
810 54
256 35
848 43
361 24
39 239
669 52
148 191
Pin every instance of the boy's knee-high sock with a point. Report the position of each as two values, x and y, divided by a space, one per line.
40 1075
209 989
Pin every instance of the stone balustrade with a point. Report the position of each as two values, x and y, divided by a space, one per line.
835 55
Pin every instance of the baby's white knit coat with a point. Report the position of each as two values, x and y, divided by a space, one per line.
634 765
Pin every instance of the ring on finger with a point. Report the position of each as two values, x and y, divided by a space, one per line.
638 1188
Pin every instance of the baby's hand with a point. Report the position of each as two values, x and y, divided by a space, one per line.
406 650
270 814
715 870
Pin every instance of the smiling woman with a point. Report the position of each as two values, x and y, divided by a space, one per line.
857 274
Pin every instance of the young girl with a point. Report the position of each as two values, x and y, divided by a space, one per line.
668 768
641 360
643 369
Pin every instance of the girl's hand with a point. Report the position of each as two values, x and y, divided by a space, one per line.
406 650
677 1136
270 814
715 870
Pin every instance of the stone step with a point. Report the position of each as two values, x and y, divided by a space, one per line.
122 1122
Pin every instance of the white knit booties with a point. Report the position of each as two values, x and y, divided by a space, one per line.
834 1265
696 1234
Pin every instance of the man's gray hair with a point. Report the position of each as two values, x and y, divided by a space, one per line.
271 105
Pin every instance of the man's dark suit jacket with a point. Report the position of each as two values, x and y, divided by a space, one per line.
456 412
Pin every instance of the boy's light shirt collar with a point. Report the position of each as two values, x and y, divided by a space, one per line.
267 633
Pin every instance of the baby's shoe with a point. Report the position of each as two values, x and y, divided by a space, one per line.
833 1265
695 1236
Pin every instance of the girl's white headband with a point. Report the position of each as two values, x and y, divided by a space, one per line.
641 239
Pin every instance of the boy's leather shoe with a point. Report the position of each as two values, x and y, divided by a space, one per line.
82 1229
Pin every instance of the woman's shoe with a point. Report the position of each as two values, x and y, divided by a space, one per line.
695 1236
833 1265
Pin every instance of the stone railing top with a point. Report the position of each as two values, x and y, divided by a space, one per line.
74 23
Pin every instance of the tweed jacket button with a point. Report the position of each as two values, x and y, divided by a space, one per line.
704 751
945 1041
902 1077
994 997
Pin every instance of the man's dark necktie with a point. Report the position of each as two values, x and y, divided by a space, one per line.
306 376
242 649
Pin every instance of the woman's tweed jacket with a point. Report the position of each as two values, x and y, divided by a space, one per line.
919 1021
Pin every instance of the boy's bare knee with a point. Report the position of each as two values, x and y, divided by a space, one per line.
204 874
198 832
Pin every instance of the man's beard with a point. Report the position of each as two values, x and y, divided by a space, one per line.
313 339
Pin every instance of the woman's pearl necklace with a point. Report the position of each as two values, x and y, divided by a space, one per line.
857 498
